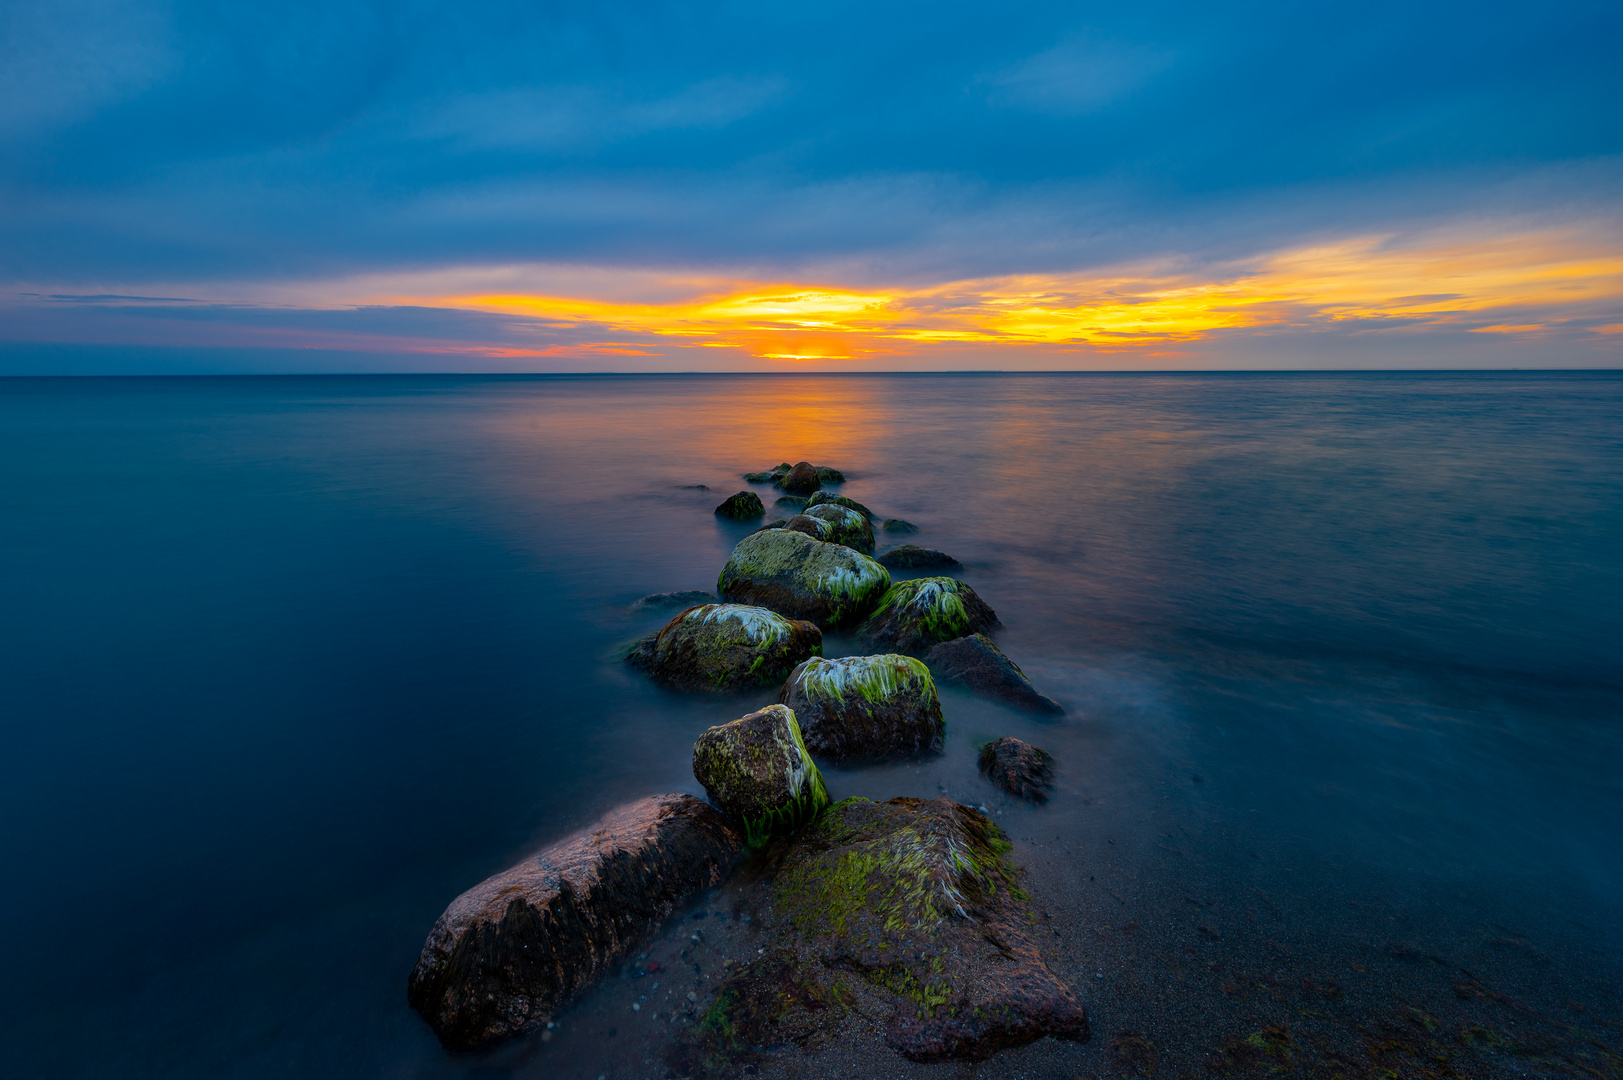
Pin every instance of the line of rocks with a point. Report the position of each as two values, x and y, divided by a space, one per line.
917 896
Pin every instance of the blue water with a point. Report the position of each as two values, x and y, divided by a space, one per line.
290 662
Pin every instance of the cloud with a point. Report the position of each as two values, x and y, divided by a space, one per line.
1081 75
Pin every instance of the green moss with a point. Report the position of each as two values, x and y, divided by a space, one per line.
931 604
876 679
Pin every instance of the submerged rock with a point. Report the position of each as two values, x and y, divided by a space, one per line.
655 601
790 502
919 898
775 523
1018 768
741 507
913 557
914 615
793 574
756 769
861 707
800 480
897 525
510 951
824 497
726 647
770 475
980 665
829 476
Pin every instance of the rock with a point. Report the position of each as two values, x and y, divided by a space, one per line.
756 769
800 480
980 665
827 475
695 487
919 897
775 523
913 557
848 527
865 707
792 574
790 502
727 647
741 507
897 525
823 497
914 615
655 601
816 528
510 951
1018 768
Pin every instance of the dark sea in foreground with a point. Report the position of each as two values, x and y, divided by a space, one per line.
288 663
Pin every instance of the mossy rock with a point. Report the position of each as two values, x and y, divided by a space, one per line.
976 662
897 525
828 475
790 502
757 770
920 898
800 480
914 615
913 557
846 525
865 707
825 497
744 506
727 647
795 575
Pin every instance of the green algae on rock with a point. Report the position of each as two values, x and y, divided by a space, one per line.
726 647
795 575
865 707
919 898
914 615
800 480
824 497
757 769
846 526
741 507
509 952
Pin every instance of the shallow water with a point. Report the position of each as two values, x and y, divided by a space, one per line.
291 662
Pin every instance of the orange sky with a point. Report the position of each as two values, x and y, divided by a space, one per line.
1505 283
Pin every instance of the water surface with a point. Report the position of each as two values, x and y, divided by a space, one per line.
290 662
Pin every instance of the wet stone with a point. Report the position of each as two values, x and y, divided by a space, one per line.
897 525
790 502
726 647
913 557
1019 768
758 771
914 615
803 578
666 600
974 661
800 480
741 507
512 950
825 497
865 707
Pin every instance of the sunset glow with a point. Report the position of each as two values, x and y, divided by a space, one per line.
1508 284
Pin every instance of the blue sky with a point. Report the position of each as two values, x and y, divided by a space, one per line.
492 186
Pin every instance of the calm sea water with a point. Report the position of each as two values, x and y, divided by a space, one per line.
288 663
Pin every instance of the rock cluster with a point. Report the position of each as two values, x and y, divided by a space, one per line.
916 898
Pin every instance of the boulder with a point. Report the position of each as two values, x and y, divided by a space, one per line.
816 528
913 557
777 472
656 601
920 899
849 527
790 502
775 523
824 497
726 647
800 480
1018 768
980 665
914 615
827 475
865 707
510 951
803 578
741 507
897 525
757 770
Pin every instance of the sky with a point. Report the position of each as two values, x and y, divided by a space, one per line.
516 187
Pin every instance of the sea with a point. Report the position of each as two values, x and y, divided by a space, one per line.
288 663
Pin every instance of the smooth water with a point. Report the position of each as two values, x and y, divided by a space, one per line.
290 662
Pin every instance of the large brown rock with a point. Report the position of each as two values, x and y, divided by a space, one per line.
801 480
914 615
803 578
1018 768
976 662
919 898
510 951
